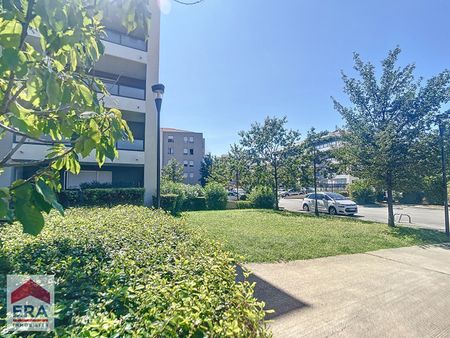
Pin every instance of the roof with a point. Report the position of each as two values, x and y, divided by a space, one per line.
174 130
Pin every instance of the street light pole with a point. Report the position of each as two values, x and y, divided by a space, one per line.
316 210
158 90
444 176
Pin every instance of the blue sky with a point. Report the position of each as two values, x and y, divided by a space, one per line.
228 63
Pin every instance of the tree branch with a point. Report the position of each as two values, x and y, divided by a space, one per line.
18 132
12 151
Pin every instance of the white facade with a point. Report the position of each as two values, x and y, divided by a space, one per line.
135 63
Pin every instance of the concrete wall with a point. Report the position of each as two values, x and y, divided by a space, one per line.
151 122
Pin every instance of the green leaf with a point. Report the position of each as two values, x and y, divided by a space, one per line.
49 195
30 217
10 31
26 212
53 90
86 93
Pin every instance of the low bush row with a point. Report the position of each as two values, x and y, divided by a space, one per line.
102 197
129 271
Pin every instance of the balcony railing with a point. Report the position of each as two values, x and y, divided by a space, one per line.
137 145
124 40
123 90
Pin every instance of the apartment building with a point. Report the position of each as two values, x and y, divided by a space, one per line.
129 67
186 147
331 141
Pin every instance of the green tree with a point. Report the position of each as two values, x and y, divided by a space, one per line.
220 171
205 169
267 145
385 121
47 90
240 167
173 171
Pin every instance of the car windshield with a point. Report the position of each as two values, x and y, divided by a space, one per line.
337 197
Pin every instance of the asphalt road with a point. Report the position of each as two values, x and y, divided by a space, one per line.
429 217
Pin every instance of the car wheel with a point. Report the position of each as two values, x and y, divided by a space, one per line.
332 211
305 207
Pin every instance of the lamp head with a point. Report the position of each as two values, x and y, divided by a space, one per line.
158 89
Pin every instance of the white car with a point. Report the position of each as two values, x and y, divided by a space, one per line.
330 202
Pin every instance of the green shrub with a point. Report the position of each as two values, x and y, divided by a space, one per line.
244 205
102 197
169 203
194 204
216 196
130 271
411 197
70 198
362 192
433 190
111 197
262 197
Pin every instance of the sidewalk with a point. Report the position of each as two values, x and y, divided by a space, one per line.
387 293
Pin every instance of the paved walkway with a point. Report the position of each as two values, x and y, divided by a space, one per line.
386 293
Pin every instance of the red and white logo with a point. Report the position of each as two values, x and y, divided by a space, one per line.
30 302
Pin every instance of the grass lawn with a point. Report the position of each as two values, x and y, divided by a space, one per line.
270 236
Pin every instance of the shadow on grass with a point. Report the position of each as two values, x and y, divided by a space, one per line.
422 236
274 298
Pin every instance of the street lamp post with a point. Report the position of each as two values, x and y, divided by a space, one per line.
444 175
158 90
316 209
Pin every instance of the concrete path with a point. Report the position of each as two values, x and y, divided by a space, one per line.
387 293
427 217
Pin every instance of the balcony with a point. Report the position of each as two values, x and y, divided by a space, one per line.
124 97
123 46
124 40
36 152
137 145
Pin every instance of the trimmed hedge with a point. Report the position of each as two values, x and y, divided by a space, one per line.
130 271
102 197
244 205
170 203
262 197
216 196
194 204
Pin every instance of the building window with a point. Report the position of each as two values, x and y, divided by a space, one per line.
170 139
185 151
185 163
185 175
185 139
191 139
191 151
191 163
171 152
191 175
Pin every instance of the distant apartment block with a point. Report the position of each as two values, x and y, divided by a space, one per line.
332 141
187 147
129 67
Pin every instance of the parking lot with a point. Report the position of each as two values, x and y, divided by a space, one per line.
429 217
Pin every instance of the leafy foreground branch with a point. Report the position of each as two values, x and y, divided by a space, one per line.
49 93
130 271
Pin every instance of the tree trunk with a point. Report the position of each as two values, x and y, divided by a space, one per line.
275 174
237 185
390 200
